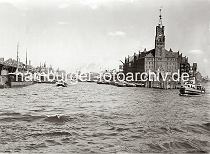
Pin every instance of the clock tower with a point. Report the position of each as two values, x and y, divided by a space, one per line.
159 38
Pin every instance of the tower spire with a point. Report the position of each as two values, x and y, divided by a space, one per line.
160 17
160 37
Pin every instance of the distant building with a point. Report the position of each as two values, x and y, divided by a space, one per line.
1 60
157 59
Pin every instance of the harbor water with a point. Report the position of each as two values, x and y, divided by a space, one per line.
93 118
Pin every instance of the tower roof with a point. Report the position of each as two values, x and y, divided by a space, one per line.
160 18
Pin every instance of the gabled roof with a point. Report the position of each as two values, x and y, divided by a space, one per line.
12 63
150 53
171 54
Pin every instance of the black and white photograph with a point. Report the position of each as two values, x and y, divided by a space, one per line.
104 76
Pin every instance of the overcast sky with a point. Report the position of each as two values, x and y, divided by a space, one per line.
94 34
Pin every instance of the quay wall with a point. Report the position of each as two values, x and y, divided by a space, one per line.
20 84
162 84
3 81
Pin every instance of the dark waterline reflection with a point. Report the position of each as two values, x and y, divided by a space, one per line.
91 118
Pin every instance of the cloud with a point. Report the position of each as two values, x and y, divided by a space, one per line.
128 1
62 23
92 4
63 5
196 52
117 33
209 23
205 60
95 4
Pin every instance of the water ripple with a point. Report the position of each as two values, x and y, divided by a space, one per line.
91 118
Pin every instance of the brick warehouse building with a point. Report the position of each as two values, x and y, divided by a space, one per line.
157 59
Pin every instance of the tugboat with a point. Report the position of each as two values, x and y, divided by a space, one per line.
61 83
191 89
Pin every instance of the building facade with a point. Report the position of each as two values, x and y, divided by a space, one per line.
157 59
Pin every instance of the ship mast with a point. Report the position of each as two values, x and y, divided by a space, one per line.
17 57
26 60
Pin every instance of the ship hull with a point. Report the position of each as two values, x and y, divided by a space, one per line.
20 84
184 91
